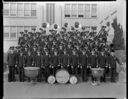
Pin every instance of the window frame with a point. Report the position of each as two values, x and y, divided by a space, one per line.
23 13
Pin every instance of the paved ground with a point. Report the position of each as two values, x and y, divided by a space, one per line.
25 90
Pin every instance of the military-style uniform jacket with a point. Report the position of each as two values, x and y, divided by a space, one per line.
11 59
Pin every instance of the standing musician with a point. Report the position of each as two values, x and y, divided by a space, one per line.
34 53
65 60
112 66
74 63
11 60
38 64
102 62
46 60
28 60
55 61
93 63
21 66
84 60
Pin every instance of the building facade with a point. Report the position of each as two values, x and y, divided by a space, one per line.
20 16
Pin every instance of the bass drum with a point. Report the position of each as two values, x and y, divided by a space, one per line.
51 79
62 76
73 79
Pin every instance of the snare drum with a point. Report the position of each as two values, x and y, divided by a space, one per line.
51 79
62 76
73 79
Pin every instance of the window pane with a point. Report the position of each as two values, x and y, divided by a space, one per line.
33 6
12 32
87 28
27 13
94 10
74 10
80 10
87 11
6 32
13 6
27 7
67 10
20 13
20 6
6 12
13 13
19 29
33 13
13 9
27 28
6 5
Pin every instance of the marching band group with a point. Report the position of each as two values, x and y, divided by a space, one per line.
75 51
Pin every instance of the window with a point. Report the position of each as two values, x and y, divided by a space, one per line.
74 10
93 10
6 32
67 10
80 11
13 32
28 28
87 28
27 9
6 9
20 11
94 28
87 11
33 9
19 29
13 9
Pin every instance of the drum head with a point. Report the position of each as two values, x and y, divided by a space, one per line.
62 76
73 79
51 79
31 68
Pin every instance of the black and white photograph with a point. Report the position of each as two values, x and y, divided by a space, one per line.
64 49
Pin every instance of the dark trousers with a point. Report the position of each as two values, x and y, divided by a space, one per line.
21 74
84 76
113 74
11 75
46 73
39 77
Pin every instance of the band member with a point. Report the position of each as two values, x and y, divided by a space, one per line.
28 61
46 64
55 62
21 66
65 60
93 63
11 60
74 63
60 52
112 66
38 64
34 54
83 62
102 59
21 39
